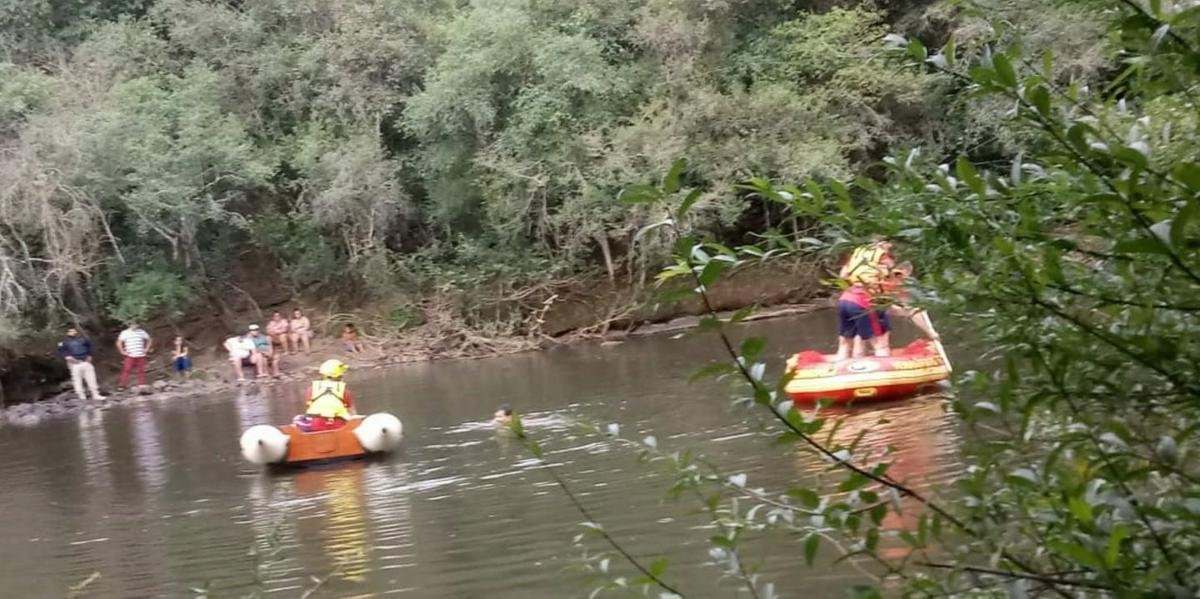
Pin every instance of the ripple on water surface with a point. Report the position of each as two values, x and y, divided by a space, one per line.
155 498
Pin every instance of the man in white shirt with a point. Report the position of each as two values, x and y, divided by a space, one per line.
243 352
134 343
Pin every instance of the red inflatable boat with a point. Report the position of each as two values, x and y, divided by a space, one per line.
817 376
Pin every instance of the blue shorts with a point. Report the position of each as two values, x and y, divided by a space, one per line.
182 364
857 321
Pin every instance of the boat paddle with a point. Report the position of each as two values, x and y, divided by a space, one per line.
937 341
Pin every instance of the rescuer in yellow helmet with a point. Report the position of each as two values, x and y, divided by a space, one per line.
329 401
872 275
860 321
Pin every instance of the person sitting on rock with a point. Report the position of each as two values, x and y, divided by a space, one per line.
301 333
266 351
243 353
279 330
329 401
350 341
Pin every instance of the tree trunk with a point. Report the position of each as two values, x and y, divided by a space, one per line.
91 316
602 239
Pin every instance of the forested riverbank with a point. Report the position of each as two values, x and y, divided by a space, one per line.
455 168
165 159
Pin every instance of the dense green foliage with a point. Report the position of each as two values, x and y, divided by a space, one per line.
1075 261
388 143
1045 178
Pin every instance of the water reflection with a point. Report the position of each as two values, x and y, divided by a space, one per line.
252 409
343 510
93 444
147 449
916 436
155 495
341 528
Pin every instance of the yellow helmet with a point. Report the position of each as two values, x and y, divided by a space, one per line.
333 368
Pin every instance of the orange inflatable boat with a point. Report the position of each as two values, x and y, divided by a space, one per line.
266 444
816 376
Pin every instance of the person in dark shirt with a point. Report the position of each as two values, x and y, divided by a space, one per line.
76 350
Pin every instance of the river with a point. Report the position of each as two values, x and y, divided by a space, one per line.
155 498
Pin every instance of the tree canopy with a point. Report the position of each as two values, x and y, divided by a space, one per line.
361 142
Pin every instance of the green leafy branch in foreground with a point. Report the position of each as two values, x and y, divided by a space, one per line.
738 509
1073 264
853 508
703 263
1078 265
738 513
651 575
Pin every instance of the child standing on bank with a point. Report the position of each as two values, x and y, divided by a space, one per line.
181 358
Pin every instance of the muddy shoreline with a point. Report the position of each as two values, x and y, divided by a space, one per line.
205 382
589 310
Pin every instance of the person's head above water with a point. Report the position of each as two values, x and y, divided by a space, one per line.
503 414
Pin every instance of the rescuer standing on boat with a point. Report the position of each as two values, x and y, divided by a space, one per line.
871 273
859 321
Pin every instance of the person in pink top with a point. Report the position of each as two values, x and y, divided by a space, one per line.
864 317
859 323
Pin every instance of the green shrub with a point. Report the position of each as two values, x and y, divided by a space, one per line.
151 293
406 316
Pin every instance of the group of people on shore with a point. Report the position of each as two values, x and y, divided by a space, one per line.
135 346
873 293
255 349
262 350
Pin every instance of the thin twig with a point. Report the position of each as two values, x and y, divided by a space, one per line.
588 515
1043 578
882 479
1118 480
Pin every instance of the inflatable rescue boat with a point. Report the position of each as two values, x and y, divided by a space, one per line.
817 376
266 444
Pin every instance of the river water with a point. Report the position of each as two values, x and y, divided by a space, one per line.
153 499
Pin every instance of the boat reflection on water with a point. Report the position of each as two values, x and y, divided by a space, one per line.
341 530
923 443
344 509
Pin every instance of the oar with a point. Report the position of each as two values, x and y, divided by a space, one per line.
937 342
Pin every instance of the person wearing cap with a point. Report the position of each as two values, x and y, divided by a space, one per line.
244 353
269 360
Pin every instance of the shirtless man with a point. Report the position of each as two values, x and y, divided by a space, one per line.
300 331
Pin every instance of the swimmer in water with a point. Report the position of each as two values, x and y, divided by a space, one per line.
503 415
